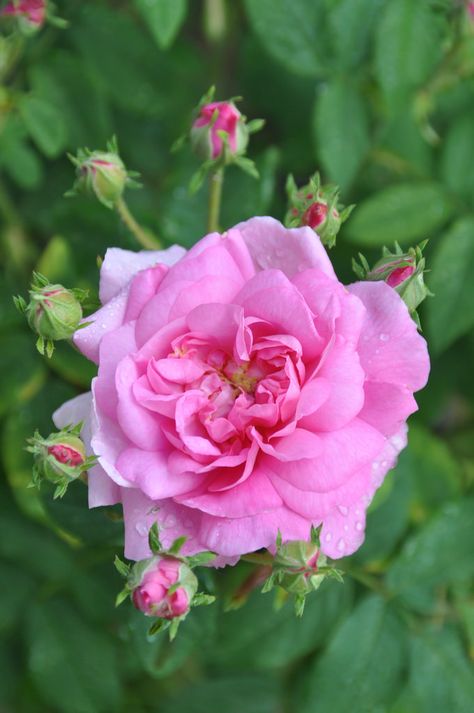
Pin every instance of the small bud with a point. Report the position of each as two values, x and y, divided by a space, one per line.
60 458
317 207
470 10
53 312
219 131
101 173
163 587
297 562
30 14
402 271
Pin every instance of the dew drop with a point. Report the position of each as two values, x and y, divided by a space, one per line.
328 537
141 529
341 545
346 528
384 337
359 526
343 510
170 521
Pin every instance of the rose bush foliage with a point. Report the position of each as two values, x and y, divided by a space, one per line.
242 390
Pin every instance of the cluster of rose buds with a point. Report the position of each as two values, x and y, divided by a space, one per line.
59 459
401 270
53 312
30 14
316 206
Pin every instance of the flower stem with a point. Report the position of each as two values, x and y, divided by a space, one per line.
144 237
215 193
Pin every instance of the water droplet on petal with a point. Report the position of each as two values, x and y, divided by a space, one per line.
141 529
346 528
359 526
384 337
328 537
343 510
341 545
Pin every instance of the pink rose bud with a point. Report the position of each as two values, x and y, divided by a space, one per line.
60 458
30 14
316 206
163 587
219 129
402 271
470 10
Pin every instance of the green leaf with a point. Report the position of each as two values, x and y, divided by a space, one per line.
441 675
451 311
72 665
45 124
17 157
26 376
438 553
341 131
404 212
352 23
407 48
290 31
360 670
163 18
258 636
458 158
14 596
234 694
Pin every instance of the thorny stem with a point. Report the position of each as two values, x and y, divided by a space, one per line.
215 193
144 237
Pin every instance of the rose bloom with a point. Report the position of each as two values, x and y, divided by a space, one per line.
242 390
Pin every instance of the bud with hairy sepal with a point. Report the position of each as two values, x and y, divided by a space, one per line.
164 586
103 174
401 270
53 312
317 207
299 567
60 458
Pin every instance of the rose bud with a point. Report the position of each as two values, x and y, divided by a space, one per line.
101 173
53 312
163 587
316 206
402 271
297 564
30 14
60 458
219 131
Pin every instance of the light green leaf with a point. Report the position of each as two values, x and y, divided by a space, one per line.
441 676
291 31
451 311
45 124
163 18
360 670
405 212
407 47
341 131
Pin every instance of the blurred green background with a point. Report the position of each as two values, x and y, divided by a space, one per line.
379 96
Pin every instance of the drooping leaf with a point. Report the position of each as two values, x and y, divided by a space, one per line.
163 18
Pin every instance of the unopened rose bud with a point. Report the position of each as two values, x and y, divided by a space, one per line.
30 14
60 458
219 128
316 206
163 587
470 10
298 562
401 270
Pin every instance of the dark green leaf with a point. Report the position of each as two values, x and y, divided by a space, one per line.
361 668
45 124
252 694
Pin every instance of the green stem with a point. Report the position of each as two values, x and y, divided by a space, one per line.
144 237
215 195
257 558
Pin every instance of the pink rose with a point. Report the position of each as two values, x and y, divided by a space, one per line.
152 595
213 119
242 390
34 11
